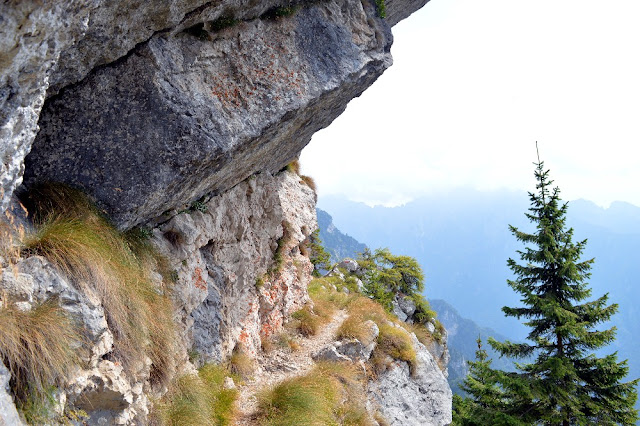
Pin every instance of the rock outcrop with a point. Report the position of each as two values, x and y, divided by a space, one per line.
180 115
228 290
296 77
420 397
219 253
8 413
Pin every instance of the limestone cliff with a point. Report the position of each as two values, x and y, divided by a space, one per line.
178 116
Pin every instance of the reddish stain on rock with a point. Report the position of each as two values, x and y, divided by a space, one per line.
199 282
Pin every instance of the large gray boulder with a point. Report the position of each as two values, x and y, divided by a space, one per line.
421 399
184 116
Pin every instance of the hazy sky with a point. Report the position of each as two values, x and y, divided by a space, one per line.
474 84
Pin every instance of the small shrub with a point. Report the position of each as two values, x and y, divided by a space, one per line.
223 22
39 347
279 12
259 282
318 255
381 8
199 206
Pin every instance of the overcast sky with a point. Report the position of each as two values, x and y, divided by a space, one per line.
474 84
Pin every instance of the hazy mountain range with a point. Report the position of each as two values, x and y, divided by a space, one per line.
462 241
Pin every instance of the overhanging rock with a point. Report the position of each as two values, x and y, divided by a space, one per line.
185 115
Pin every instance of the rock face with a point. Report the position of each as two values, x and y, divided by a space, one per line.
219 254
46 46
183 115
421 399
222 256
8 413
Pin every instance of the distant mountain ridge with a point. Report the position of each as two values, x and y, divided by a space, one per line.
462 335
338 244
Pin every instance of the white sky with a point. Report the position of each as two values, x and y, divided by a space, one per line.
474 84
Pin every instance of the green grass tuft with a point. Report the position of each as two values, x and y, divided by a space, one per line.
331 393
194 400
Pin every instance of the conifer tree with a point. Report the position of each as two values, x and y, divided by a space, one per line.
318 255
487 403
566 383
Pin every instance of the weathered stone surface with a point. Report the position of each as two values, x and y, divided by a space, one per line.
47 46
330 353
32 35
404 308
397 10
183 117
421 399
108 395
349 264
221 253
8 413
34 280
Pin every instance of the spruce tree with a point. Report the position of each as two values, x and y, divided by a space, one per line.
566 383
487 403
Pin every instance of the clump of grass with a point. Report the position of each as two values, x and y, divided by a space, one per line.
98 258
240 363
307 323
39 347
11 235
293 167
396 342
223 400
332 393
310 182
393 341
194 400
320 290
279 255
283 341
186 403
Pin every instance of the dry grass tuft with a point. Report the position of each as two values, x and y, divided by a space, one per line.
321 291
310 182
39 347
308 321
396 342
332 393
294 167
97 258
241 364
282 341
